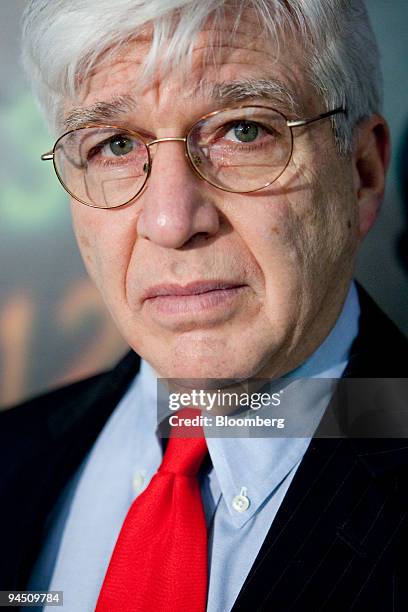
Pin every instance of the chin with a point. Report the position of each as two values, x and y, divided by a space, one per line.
210 369
204 355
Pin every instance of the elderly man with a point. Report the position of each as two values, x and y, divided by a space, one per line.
224 161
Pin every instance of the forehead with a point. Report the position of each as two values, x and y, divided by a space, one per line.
224 68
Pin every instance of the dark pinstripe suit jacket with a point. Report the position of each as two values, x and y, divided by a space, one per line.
339 541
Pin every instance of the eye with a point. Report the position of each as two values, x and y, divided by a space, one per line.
117 145
245 131
120 145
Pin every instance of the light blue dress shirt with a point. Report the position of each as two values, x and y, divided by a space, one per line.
85 524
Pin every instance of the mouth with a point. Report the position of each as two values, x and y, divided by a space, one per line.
194 288
194 297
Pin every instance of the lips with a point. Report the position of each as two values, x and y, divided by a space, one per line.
194 288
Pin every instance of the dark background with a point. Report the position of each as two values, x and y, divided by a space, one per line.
53 327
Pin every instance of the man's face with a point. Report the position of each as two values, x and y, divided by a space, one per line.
286 253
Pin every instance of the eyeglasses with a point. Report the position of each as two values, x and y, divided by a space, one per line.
239 150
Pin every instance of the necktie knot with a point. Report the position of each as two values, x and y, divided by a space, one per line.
184 455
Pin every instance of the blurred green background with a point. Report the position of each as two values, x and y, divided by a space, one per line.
53 326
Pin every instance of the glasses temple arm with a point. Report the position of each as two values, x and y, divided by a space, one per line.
301 122
47 156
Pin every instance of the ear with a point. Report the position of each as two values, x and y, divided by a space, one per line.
371 157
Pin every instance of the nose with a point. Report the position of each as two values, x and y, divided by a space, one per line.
176 205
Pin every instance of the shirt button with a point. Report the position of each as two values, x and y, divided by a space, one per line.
241 502
137 482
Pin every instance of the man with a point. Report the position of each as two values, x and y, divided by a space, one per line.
224 162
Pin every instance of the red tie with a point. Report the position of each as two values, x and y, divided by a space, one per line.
159 563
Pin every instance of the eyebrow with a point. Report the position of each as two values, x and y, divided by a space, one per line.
99 112
226 93
272 90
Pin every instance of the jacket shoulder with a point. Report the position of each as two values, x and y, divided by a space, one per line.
380 349
61 408
61 398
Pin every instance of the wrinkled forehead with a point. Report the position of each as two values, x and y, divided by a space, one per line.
227 62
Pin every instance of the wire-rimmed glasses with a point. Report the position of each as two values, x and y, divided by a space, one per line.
239 150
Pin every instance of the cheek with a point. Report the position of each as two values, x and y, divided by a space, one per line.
271 234
301 240
105 243
87 250
85 230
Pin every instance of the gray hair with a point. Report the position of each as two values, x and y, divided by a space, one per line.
64 39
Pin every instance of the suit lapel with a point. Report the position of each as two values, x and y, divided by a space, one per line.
332 536
56 434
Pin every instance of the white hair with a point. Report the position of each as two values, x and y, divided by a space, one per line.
64 39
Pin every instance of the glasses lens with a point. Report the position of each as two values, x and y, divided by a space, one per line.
242 149
101 166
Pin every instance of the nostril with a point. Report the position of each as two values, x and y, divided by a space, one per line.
195 240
